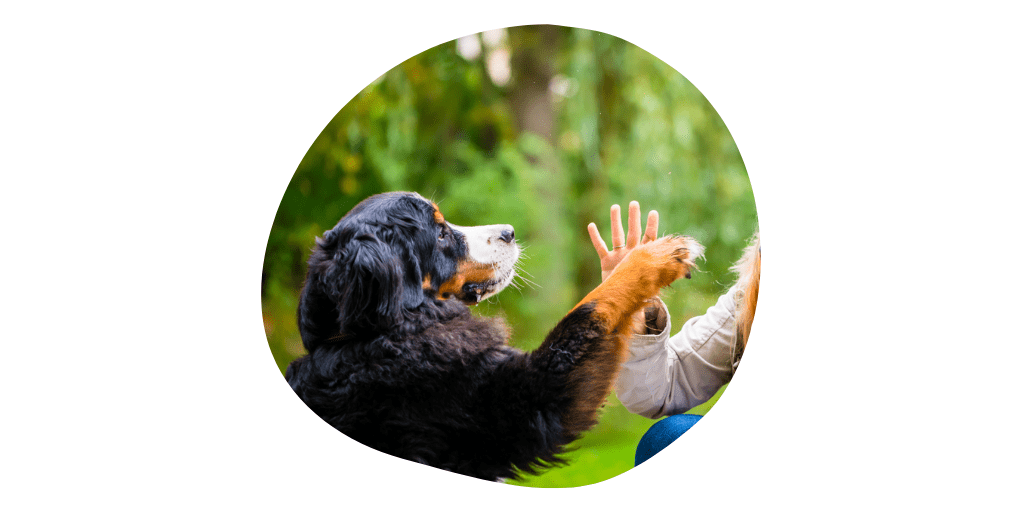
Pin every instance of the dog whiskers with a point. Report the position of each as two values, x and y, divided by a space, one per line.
519 273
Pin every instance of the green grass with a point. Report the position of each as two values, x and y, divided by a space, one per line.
604 452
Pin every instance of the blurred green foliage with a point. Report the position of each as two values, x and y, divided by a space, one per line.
544 128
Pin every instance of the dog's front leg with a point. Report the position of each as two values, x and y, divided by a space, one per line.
589 345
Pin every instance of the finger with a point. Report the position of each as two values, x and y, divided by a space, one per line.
618 239
595 238
652 226
633 221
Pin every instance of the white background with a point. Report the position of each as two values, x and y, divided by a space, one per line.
145 150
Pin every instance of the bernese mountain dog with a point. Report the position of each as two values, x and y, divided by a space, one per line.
396 361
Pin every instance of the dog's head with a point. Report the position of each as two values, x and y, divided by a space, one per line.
392 255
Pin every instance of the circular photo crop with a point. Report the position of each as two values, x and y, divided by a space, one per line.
471 266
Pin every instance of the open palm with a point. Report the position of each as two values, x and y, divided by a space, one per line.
622 244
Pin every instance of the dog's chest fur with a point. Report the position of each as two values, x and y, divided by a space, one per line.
397 371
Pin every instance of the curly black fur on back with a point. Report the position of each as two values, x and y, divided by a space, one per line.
407 373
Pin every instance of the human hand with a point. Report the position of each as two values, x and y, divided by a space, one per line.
622 245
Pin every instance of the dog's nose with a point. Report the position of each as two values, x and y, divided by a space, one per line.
508 235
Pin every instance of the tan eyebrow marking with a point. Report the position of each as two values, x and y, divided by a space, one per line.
438 218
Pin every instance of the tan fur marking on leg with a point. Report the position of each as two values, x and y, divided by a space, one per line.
638 278
644 272
749 270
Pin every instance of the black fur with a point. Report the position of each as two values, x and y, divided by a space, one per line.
402 371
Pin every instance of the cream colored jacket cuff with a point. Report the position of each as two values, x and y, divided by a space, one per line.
670 375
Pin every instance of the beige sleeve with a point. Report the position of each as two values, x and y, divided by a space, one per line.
664 376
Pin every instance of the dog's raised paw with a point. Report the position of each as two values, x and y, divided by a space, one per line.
669 258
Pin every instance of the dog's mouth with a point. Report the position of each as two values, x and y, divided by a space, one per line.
473 293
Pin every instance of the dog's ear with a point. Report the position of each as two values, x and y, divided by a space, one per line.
318 308
367 282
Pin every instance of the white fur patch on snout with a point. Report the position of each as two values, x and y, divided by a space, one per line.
486 247
485 243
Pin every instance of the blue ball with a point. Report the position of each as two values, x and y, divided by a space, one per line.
662 433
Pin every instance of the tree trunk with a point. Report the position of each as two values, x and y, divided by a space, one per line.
534 49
